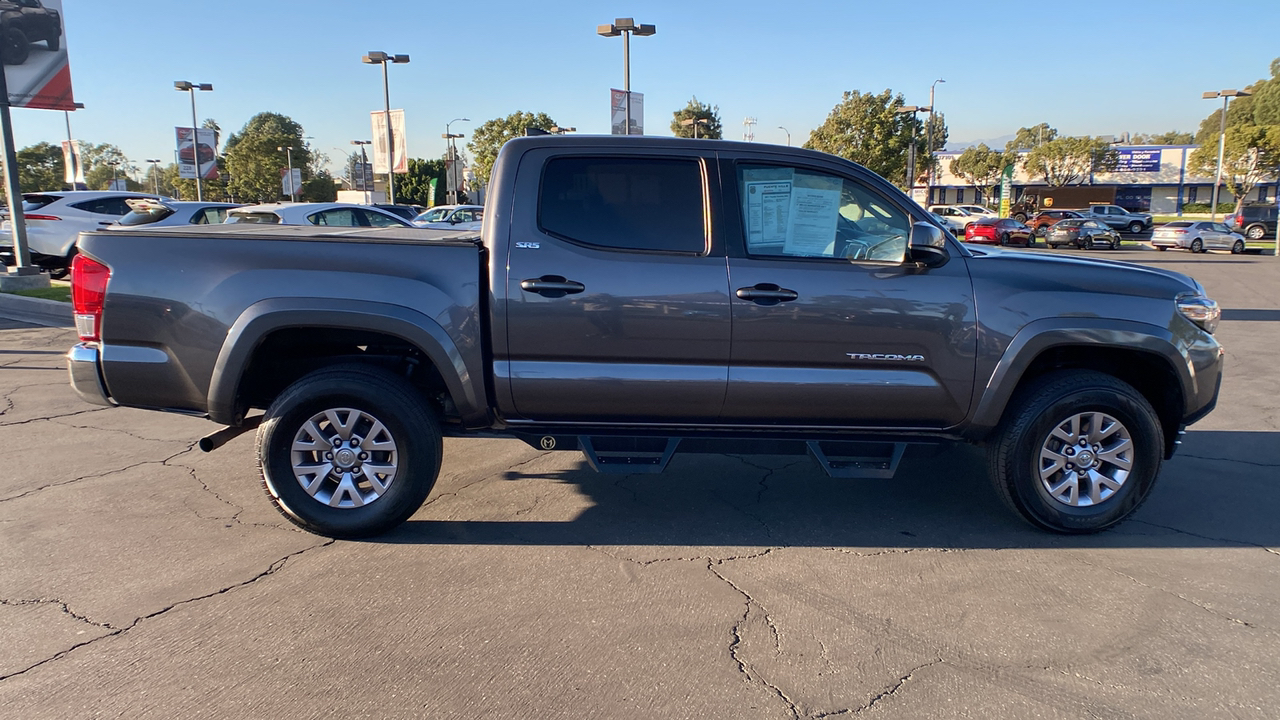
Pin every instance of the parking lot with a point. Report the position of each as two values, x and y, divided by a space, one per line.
141 578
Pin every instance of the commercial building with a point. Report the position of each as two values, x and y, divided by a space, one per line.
1149 178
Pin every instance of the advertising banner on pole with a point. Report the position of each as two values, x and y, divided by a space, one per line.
618 112
74 171
400 162
205 148
1006 189
290 182
36 70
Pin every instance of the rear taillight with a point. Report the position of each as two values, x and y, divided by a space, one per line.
88 290
29 216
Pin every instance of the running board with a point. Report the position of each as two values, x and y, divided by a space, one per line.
862 460
627 455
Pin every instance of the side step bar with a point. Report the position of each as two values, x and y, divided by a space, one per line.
873 461
629 455
626 455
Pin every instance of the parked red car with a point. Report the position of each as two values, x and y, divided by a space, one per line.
999 231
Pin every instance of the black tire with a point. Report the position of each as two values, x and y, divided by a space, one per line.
1162 248
1020 217
14 47
54 42
1083 243
414 432
1255 232
1136 227
1237 248
1197 246
1014 456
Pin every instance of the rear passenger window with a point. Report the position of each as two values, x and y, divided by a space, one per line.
649 204
104 206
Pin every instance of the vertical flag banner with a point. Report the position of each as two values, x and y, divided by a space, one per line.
74 171
205 149
618 112
36 70
400 161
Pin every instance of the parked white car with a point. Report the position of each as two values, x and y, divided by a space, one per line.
957 218
323 214
950 222
451 217
145 212
979 210
1198 237
55 219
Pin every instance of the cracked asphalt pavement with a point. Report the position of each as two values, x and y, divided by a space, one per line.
141 578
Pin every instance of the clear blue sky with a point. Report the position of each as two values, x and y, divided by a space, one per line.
1085 67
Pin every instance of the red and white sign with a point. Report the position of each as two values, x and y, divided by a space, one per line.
401 159
36 70
206 150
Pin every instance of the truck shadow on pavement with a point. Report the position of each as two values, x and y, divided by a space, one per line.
1220 490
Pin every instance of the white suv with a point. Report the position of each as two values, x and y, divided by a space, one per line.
56 219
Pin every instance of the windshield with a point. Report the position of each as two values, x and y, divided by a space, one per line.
149 214
433 215
31 203
258 218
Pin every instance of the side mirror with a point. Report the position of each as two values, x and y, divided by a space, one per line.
928 245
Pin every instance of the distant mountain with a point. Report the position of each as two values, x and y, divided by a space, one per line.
996 143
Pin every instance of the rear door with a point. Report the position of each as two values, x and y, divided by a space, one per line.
831 327
617 306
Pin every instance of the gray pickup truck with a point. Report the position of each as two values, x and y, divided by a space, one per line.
631 298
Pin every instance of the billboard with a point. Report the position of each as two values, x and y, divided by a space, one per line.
204 152
36 71
401 159
618 112
1138 160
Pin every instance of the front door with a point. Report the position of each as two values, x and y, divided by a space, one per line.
617 306
831 326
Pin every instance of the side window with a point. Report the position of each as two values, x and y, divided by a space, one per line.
649 204
343 217
103 206
376 219
790 212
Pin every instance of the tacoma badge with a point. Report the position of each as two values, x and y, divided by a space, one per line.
888 357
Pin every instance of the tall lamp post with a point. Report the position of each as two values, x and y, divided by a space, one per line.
625 27
911 146
929 142
452 197
195 132
788 132
288 152
380 58
1226 96
695 122
155 175
364 163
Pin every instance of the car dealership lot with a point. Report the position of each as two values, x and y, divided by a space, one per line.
144 579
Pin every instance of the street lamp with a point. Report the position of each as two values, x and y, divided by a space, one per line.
195 133
384 59
929 141
1226 96
452 196
293 191
114 164
625 27
557 130
911 146
788 132
695 122
155 174
364 163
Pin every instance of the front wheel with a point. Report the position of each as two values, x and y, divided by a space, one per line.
349 451
54 42
1077 452
1161 248
1238 247
1197 246
1135 227
14 47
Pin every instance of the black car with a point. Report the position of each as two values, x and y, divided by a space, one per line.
1255 222
23 22
1083 233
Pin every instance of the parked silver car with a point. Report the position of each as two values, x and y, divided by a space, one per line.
1198 237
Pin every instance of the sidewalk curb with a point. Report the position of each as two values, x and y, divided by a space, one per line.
50 313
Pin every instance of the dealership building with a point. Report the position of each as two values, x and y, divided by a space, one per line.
1148 178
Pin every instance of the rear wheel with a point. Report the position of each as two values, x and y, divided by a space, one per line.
349 451
1077 452
1161 248
54 42
1197 246
1020 217
1237 248
1255 232
14 47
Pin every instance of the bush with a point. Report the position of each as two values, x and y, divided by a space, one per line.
1223 207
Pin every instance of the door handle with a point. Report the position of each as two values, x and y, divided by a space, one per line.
767 294
552 286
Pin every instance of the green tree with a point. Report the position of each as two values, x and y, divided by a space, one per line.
320 187
1251 154
1173 137
254 162
1070 160
706 117
489 138
40 167
1239 112
981 167
102 162
414 187
868 129
1266 98
1029 138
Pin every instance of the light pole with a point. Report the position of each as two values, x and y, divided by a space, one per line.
155 174
364 163
929 142
788 132
195 132
695 122
911 146
114 164
625 27
380 58
1226 96
452 197
293 191
557 130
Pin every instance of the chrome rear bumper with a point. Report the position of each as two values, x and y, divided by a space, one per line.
86 374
